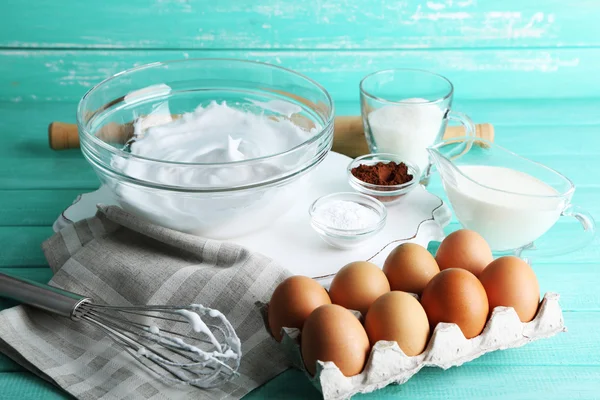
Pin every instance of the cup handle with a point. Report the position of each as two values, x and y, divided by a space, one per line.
464 120
574 243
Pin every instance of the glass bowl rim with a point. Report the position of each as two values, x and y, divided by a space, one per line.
118 152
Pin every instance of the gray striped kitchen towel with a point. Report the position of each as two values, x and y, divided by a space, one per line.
119 259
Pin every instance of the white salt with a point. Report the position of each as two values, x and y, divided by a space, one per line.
346 215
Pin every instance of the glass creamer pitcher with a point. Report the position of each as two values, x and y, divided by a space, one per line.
509 200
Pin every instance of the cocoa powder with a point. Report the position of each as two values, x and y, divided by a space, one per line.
385 174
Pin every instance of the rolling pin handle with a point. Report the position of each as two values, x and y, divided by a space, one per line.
349 138
482 131
62 136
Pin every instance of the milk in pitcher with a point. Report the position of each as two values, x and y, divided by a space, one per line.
509 208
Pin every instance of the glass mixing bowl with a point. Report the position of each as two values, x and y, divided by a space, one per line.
166 193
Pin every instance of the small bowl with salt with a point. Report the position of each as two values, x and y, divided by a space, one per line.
347 220
384 176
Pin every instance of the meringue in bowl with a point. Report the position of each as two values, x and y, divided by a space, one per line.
213 147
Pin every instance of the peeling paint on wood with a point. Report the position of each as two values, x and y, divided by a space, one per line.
301 24
478 74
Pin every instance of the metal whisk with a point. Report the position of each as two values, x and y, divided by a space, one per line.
190 344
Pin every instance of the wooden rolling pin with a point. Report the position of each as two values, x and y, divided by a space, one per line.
348 139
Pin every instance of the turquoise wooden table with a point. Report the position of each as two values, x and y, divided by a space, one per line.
530 68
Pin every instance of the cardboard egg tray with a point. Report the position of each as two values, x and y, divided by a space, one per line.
447 348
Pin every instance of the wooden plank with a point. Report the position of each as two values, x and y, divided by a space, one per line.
266 24
531 126
34 207
26 386
558 140
21 245
574 282
26 159
565 348
465 382
38 274
493 382
8 365
48 173
64 75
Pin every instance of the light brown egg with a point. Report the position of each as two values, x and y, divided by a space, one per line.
456 295
511 282
332 333
292 302
398 316
357 285
464 249
409 268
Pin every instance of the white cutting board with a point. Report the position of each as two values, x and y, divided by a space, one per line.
419 217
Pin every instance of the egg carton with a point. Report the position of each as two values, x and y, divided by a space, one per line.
447 348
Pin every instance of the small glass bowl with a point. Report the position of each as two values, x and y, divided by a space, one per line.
387 194
348 238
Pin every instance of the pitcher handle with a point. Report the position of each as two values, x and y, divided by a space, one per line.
470 131
573 243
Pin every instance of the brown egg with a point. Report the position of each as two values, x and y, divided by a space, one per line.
357 285
456 295
409 268
464 249
511 282
398 316
332 333
292 302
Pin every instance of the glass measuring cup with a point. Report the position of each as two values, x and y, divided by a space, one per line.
406 110
509 200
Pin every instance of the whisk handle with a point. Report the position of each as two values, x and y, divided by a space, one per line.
40 295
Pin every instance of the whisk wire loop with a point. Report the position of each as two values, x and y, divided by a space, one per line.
174 342
200 359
